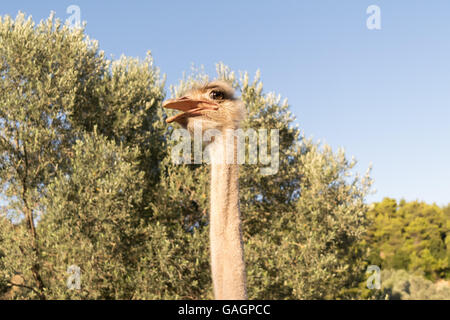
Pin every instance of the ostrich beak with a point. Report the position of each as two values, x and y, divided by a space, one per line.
190 107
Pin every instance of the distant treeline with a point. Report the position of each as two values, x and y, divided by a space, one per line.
414 236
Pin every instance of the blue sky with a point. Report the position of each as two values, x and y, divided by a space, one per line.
383 95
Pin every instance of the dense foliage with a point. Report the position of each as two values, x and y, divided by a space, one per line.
413 236
401 285
56 89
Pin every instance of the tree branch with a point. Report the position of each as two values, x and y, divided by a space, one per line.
23 286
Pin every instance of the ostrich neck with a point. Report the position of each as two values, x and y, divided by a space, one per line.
227 253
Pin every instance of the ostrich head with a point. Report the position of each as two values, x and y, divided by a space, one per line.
213 106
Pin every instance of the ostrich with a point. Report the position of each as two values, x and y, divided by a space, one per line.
214 106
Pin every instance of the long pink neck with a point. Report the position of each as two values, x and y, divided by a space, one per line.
227 251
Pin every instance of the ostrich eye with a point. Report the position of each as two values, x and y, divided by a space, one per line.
217 95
